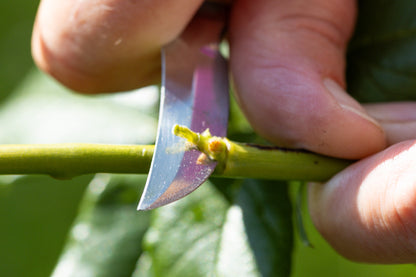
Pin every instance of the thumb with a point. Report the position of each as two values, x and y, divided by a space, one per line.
287 62
367 212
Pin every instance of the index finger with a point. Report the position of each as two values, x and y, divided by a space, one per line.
106 45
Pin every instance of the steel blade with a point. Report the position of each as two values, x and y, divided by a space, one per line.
194 94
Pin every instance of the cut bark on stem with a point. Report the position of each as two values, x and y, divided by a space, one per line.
237 160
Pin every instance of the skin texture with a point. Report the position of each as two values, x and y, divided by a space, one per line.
372 202
287 63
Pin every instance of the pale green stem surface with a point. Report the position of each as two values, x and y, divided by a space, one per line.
285 164
236 160
68 160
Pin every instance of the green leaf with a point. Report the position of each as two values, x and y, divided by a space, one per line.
184 236
16 21
106 238
382 56
206 235
35 215
267 216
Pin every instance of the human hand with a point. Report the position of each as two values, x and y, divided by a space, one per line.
368 211
287 62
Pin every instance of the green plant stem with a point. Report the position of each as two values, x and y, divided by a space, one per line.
64 161
279 163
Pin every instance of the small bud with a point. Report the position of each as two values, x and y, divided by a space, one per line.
215 145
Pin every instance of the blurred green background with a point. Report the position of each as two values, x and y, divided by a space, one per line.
37 212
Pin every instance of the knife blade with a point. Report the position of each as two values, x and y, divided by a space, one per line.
194 94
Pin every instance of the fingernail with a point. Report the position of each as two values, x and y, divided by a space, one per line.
346 102
399 112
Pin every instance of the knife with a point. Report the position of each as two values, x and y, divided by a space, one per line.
194 94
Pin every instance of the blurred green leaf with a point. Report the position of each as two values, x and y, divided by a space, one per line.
206 235
267 216
42 111
184 236
16 21
107 235
35 214
382 53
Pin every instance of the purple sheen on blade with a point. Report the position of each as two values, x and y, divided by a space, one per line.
210 110
190 176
